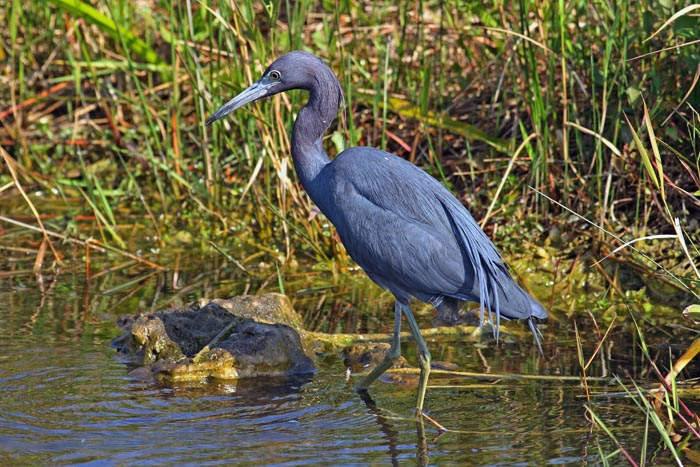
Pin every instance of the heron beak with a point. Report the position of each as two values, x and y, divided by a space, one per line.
257 90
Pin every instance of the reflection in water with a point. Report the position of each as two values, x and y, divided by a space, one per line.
391 435
265 391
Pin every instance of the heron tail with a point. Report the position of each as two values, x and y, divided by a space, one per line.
493 286
535 332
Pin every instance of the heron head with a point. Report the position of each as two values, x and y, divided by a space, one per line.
294 70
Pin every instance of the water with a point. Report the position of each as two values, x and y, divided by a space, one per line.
66 398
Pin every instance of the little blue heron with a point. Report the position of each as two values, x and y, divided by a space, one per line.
404 228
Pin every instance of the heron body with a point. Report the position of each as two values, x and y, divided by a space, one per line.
403 227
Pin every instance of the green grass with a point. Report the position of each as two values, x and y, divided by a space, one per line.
593 104
142 78
668 419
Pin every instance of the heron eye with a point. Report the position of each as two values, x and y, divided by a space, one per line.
274 74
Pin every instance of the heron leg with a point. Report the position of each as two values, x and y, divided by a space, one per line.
391 356
423 359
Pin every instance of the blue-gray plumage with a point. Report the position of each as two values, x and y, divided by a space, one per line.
404 228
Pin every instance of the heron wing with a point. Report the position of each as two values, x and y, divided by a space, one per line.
412 236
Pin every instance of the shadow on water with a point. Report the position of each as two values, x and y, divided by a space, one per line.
67 398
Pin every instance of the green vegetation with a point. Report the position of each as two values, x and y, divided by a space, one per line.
568 126
107 103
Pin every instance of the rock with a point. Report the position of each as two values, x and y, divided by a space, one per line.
362 358
270 308
242 337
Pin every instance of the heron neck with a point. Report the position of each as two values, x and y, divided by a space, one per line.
307 150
